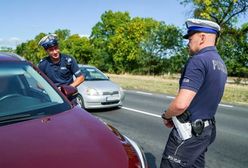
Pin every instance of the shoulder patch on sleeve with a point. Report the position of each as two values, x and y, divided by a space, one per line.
43 60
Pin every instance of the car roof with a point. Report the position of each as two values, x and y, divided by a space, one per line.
85 66
5 56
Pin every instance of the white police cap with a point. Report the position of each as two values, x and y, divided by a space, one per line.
48 41
199 25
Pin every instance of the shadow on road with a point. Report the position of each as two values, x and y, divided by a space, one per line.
151 160
103 110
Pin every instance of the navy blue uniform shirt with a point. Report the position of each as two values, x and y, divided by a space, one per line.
60 73
205 73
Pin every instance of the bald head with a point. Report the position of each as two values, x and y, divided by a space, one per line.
209 39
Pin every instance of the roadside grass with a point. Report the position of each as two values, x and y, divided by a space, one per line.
234 94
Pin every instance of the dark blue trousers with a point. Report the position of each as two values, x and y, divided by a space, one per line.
189 153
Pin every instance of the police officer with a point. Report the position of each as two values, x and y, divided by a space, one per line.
60 68
201 89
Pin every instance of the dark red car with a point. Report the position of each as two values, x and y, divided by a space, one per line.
40 128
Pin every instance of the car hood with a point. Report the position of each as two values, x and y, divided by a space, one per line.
100 85
69 139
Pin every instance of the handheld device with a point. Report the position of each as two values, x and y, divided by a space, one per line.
183 129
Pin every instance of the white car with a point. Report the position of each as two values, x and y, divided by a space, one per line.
98 91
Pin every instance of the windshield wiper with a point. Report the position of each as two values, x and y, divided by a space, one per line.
15 118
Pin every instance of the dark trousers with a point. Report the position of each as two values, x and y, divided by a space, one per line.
189 153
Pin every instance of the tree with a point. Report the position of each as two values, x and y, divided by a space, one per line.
139 45
6 49
30 49
79 47
163 42
125 46
33 52
234 50
223 12
100 37
233 41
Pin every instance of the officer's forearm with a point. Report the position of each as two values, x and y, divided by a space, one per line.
77 81
174 110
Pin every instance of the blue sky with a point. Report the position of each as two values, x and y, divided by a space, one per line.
22 20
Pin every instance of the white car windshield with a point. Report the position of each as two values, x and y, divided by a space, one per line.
91 73
24 91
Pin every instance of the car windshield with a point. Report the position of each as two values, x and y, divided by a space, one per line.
91 73
24 91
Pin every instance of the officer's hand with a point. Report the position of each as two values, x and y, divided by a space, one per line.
168 123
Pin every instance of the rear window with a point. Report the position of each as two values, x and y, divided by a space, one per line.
93 74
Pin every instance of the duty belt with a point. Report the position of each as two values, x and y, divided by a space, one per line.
206 123
199 124
209 122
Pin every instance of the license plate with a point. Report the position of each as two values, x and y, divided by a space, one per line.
112 98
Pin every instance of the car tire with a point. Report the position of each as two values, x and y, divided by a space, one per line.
80 101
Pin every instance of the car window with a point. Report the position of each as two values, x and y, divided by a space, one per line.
32 83
93 74
23 90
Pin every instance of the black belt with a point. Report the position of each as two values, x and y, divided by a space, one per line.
209 121
199 125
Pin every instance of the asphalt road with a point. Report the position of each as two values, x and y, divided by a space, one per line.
139 119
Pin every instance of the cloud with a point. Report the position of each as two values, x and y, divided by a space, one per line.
10 42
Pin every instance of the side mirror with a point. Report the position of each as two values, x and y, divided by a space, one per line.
69 91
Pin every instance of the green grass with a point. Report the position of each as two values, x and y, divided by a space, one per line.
234 94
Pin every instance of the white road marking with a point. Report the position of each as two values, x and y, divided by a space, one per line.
170 97
141 112
173 97
145 93
224 105
158 116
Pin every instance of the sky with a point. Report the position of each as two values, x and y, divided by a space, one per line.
22 20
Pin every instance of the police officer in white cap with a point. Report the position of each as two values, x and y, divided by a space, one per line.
201 89
60 68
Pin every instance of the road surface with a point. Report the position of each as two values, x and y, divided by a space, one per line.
139 119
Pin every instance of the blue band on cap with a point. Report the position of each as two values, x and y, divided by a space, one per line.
202 29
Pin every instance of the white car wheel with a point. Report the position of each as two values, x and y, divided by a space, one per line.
80 101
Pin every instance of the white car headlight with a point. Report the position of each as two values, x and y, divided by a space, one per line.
121 89
92 92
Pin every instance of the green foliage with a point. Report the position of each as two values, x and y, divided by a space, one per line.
127 44
6 49
121 44
79 47
163 42
101 36
233 42
30 49
224 12
233 47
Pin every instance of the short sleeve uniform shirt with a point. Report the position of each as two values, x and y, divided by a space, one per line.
205 73
60 73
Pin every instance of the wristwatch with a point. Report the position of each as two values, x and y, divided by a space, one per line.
163 116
